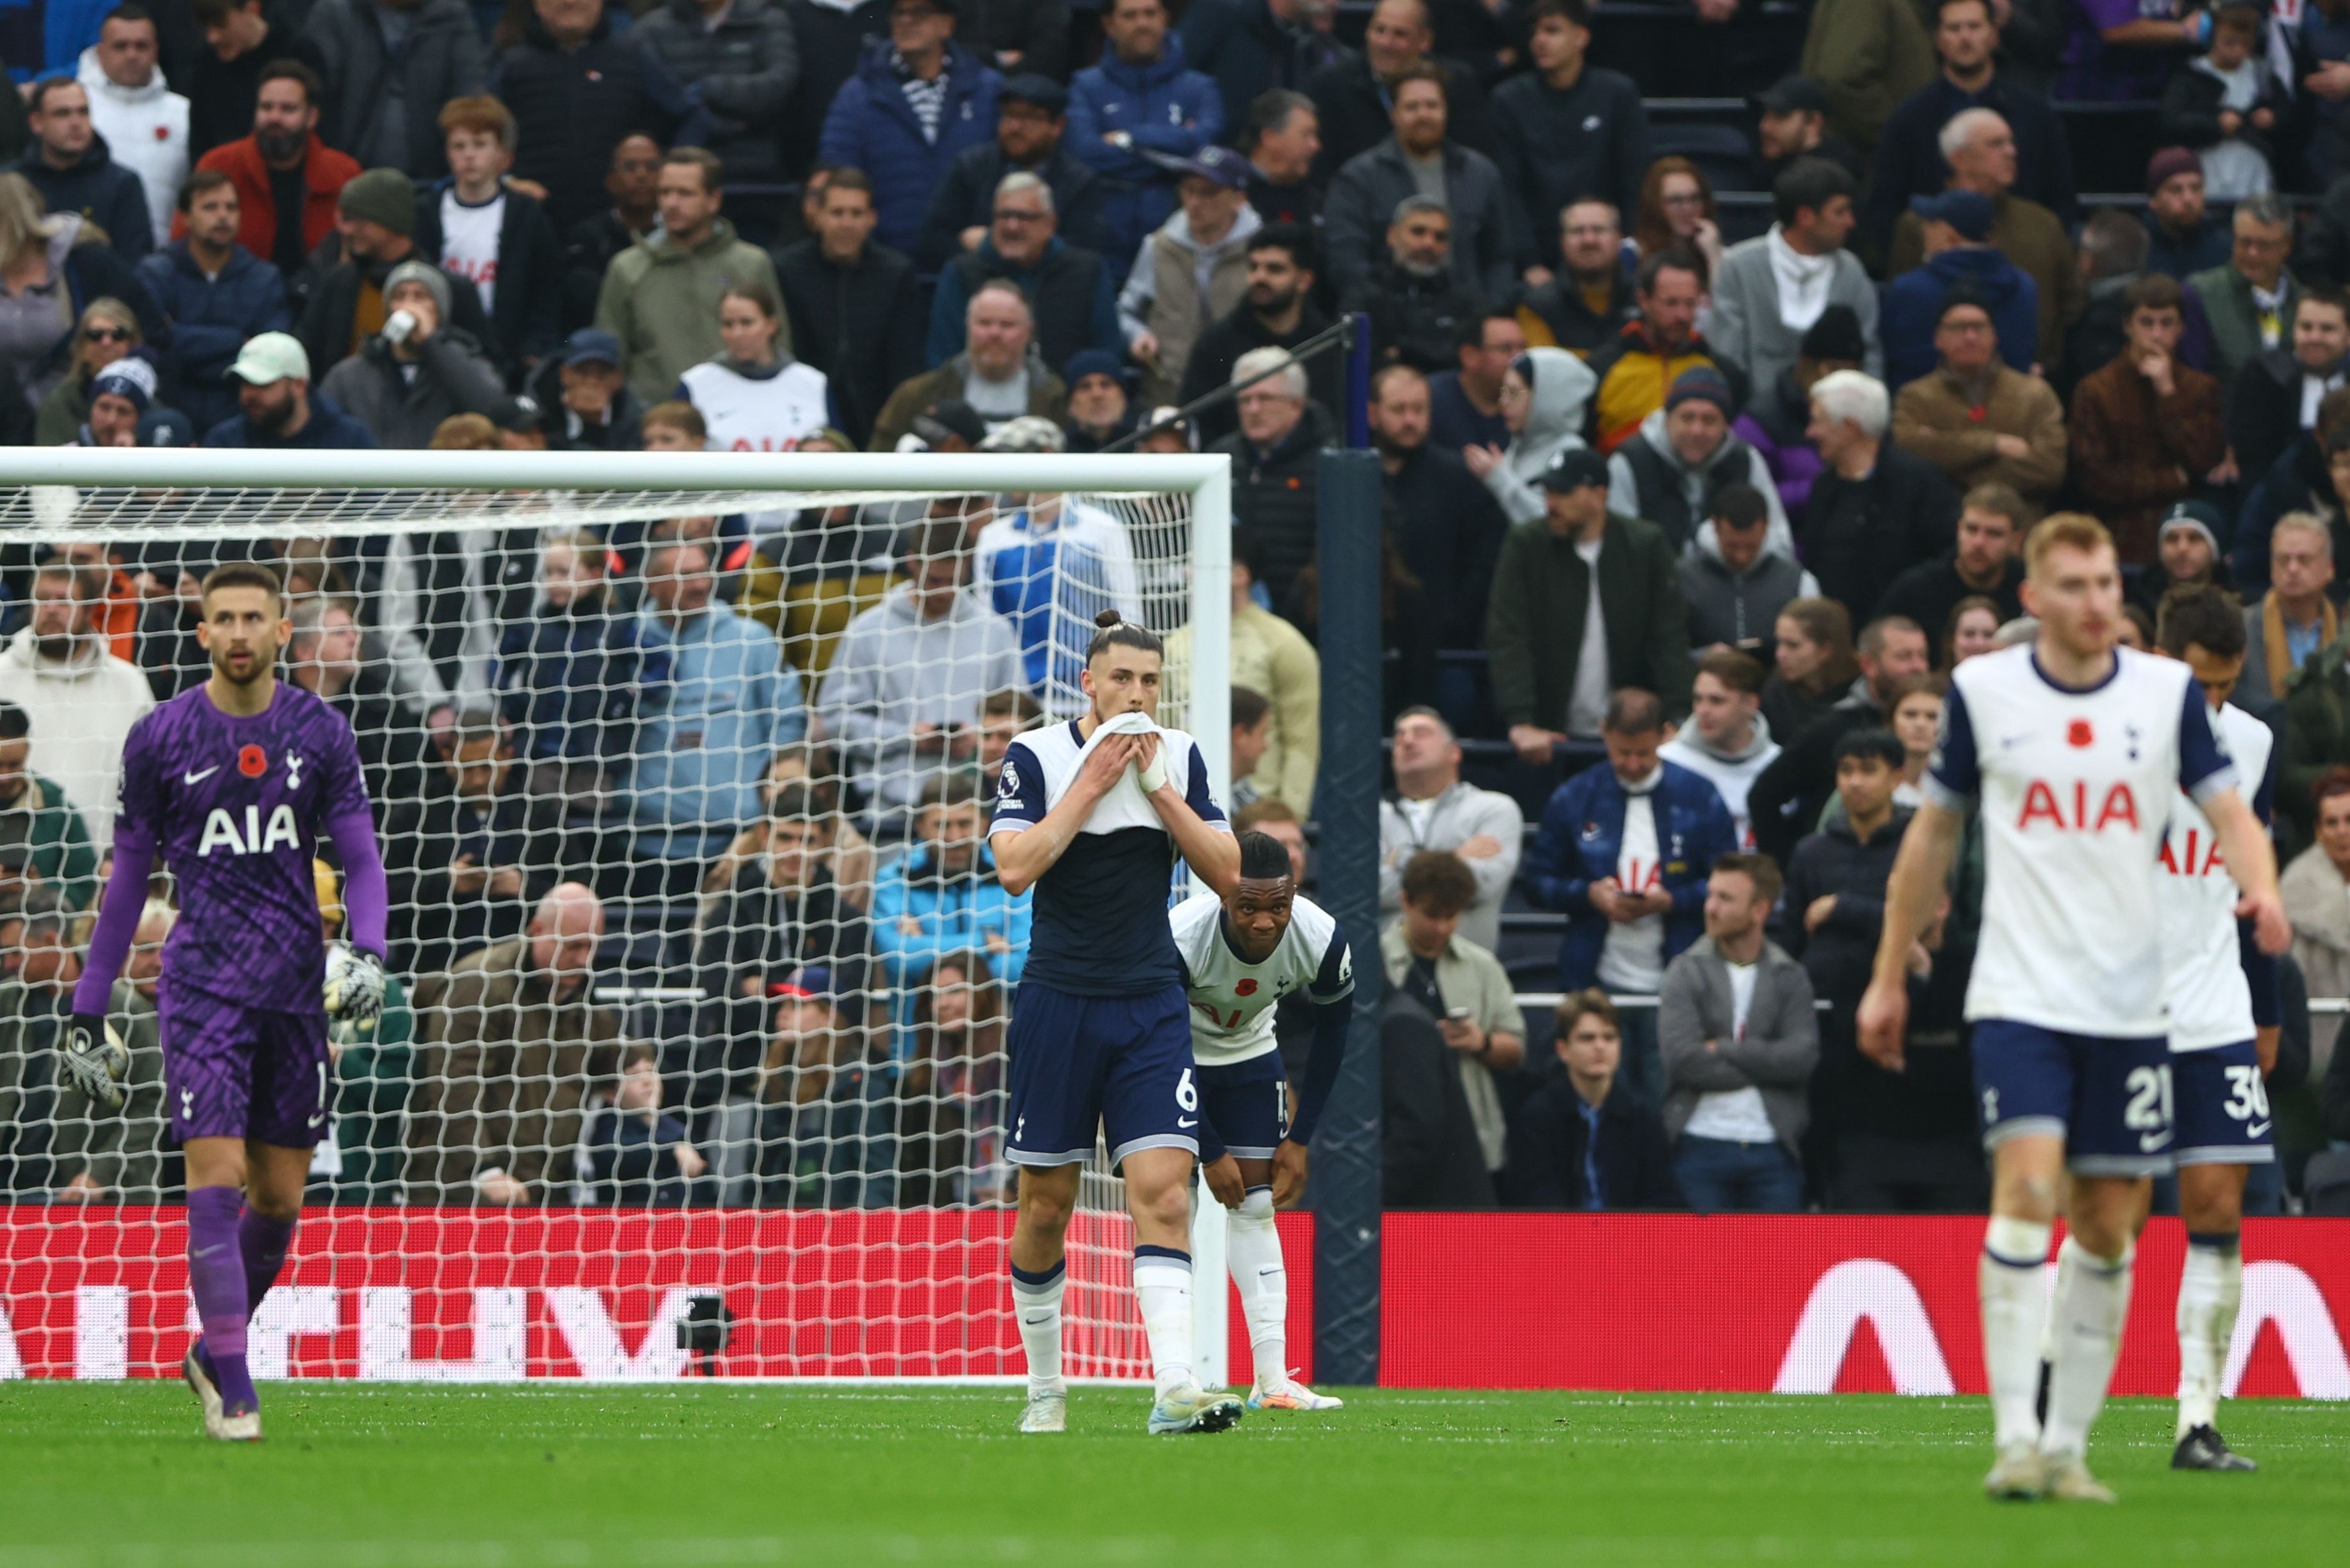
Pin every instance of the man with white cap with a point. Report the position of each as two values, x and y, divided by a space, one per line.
279 409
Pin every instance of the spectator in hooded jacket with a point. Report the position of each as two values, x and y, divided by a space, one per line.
215 294
1682 456
384 93
1567 130
284 148
661 297
1727 740
1486 244
736 61
1190 272
402 384
1543 394
577 89
1622 852
1140 107
1734 583
1577 1143
1778 416
240 41
144 122
916 102
69 163
854 304
1031 122
1958 255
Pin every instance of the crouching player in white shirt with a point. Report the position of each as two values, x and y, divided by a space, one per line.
1242 954
2075 748
2224 1010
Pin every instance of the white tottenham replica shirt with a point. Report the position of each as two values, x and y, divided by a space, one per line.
2076 791
1233 1001
2211 1001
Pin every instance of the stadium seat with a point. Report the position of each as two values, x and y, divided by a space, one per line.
2110 142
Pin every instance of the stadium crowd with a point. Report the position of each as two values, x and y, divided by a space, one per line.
1709 447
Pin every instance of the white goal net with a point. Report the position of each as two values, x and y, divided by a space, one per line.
682 767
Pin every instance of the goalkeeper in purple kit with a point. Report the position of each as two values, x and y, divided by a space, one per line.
232 782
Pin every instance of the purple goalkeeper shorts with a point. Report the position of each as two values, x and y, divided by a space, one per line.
243 1071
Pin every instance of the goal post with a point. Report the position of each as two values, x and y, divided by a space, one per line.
878 1287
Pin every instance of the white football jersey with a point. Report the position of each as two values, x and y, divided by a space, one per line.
2075 790
772 413
2211 1001
1232 999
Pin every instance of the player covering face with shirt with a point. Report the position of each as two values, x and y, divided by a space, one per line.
2073 750
1243 953
1094 815
232 782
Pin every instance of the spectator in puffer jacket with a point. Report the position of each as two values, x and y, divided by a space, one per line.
215 294
1138 107
1545 394
1683 454
904 141
439 55
144 122
1735 584
1275 467
577 89
402 387
1778 415
737 61
567 677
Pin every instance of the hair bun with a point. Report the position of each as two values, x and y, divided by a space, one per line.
1109 620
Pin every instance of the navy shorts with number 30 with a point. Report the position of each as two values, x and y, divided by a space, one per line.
2223 1107
1122 1062
2109 1099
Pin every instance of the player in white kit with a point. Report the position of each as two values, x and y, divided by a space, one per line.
1242 953
2224 1011
2074 749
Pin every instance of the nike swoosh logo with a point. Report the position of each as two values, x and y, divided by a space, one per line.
2258 1131
199 778
2149 1142
1186 1121
208 1251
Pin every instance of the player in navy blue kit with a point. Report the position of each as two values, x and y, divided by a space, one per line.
1094 814
232 782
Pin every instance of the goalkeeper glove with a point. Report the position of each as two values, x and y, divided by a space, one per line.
355 988
96 1060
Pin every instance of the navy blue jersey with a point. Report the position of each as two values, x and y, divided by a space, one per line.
1102 912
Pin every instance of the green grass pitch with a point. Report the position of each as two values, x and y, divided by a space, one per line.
689 1474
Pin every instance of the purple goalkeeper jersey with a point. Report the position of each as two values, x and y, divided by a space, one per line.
236 806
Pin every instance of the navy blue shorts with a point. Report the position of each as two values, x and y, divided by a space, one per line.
1248 1104
2109 1099
2223 1107
1119 1063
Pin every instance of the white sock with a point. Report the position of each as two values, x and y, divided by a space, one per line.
1253 1244
1036 1302
2092 1300
1162 1289
2014 1300
2210 1288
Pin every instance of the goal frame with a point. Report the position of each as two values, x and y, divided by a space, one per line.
1205 480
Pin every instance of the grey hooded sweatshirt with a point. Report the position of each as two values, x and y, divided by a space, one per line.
1563 386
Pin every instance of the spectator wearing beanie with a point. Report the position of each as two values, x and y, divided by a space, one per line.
2182 237
347 307
1771 290
1684 453
2145 428
402 387
119 396
383 94
1957 237
1978 420
1777 420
